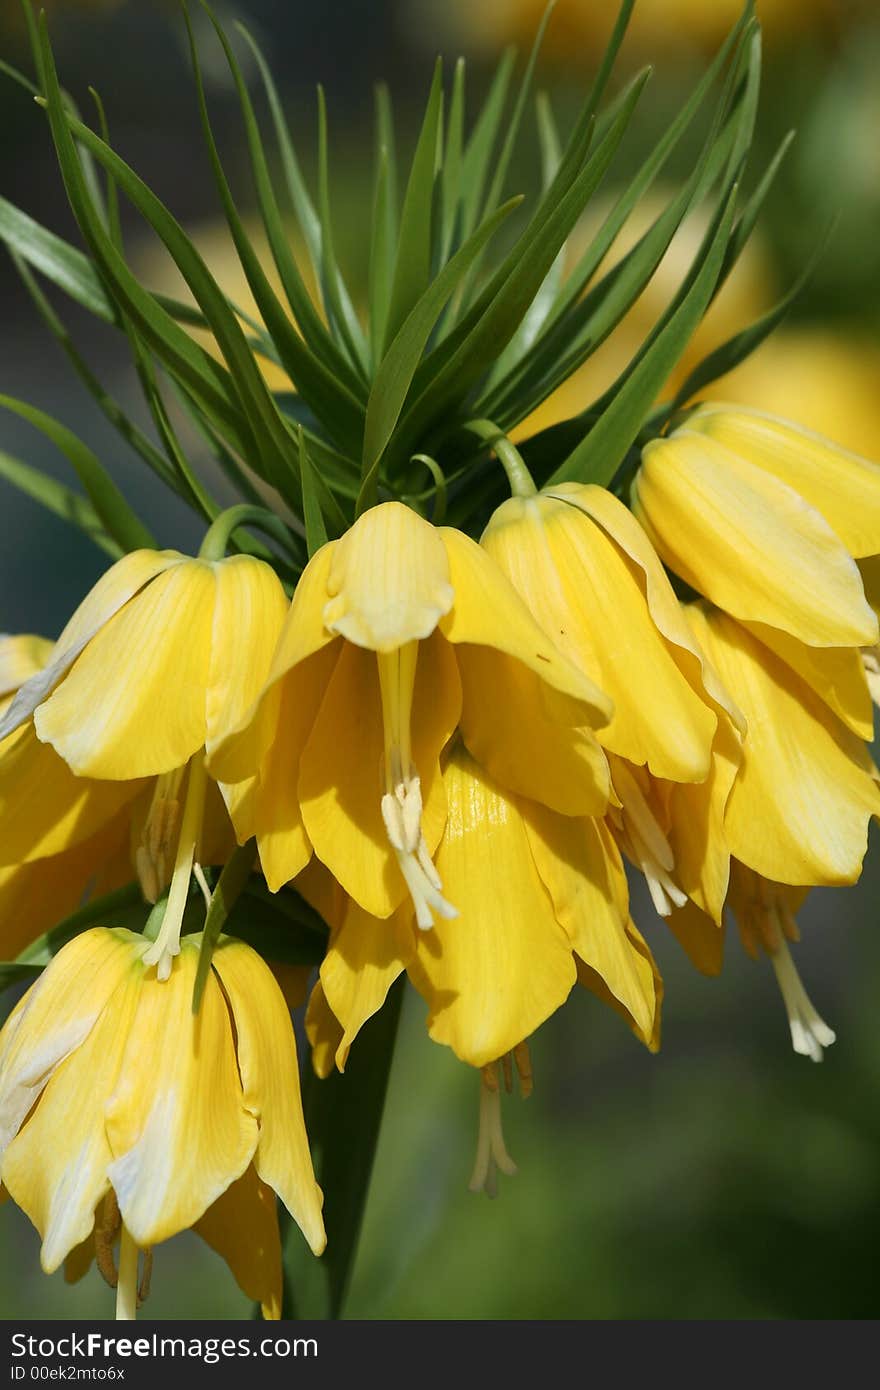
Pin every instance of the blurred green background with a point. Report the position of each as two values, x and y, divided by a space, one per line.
727 1177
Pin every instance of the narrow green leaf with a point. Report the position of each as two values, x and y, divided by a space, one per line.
110 910
496 187
398 367
478 152
331 401
309 221
452 161
412 268
309 320
57 498
609 57
316 531
597 457
111 508
228 889
330 273
737 348
489 327
55 258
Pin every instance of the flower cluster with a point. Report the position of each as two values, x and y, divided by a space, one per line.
416 749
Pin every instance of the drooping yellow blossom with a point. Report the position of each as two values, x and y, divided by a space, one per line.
542 901
590 577
159 660
399 634
123 1113
798 808
763 519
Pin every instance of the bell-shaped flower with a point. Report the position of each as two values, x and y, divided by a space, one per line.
123 1113
589 575
742 533
399 634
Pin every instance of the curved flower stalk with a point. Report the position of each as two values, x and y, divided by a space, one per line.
106 741
122 1114
398 635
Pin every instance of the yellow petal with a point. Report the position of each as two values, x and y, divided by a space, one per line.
112 591
324 1032
242 751
250 607
497 971
488 612
799 809
56 1016
590 594
700 937
176 1123
321 891
695 828
133 704
509 726
364 959
36 896
581 869
389 580
44 808
270 1077
836 674
242 1226
21 657
284 845
749 542
57 1167
340 780
652 988
842 486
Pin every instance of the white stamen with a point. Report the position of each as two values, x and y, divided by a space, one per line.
402 801
809 1033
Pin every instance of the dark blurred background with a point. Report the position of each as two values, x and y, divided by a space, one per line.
725 1178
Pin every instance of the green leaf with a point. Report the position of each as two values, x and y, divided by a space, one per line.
494 318
111 508
309 221
123 907
451 172
329 398
55 258
228 889
597 457
57 498
331 277
478 152
398 367
316 531
412 267
737 348
503 164
343 1115
609 57
308 319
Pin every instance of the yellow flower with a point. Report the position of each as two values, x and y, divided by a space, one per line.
798 807
763 519
116 1101
543 902
588 574
399 634
160 659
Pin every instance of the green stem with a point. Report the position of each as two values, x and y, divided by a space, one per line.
343 1117
219 533
522 484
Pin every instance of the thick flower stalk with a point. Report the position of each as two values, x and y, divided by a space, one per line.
122 1114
